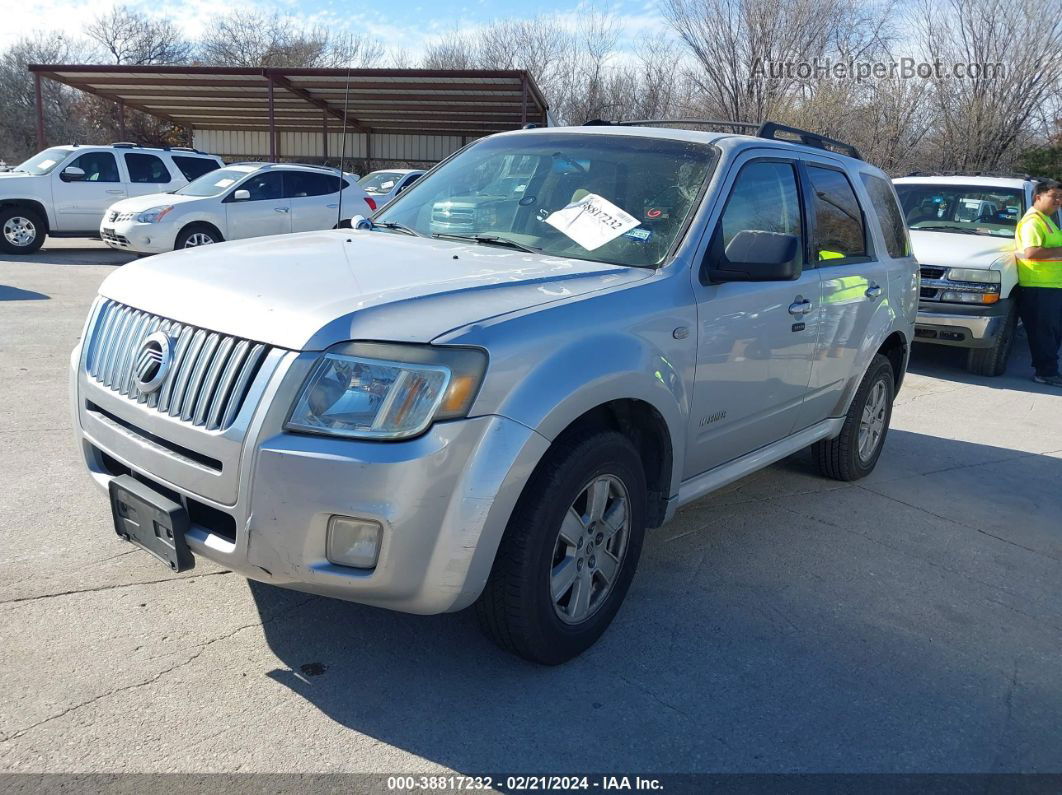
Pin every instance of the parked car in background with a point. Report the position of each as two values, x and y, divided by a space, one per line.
64 191
962 233
424 420
385 185
235 202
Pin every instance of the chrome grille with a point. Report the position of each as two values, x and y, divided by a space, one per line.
209 377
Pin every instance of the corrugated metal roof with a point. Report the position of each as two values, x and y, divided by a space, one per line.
443 102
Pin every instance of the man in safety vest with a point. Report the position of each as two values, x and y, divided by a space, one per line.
1038 252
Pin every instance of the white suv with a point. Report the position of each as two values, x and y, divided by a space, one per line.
384 186
962 230
239 201
65 190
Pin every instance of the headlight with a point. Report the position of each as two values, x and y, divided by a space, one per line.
154 215
368 390
973 275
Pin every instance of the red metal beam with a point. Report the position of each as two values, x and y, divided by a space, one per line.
272 126
40 110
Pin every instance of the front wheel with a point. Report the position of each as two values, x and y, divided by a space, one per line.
993 361
197 235
569 553
21 230
854 453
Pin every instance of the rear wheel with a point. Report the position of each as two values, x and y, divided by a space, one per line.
569 552
21 230
993 361
197 235
854 453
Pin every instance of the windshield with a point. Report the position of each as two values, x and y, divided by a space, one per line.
380 181
214 182
608 198
961 209
43 162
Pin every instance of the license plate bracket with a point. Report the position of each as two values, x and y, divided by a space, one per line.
152 521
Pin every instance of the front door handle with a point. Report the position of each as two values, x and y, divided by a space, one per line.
873 291
116 192
281 209
800 306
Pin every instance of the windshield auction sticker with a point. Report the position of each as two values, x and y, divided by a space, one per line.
592 221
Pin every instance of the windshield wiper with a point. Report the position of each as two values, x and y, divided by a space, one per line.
489 240
395 226
945 228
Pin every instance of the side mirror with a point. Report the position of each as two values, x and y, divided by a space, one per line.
756 256
241 195
72 174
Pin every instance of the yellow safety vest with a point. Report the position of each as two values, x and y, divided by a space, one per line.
1037 229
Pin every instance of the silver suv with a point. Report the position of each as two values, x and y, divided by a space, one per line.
425 420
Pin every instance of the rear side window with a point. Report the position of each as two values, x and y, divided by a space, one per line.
194 167
839 232
146 168
301 184
893 226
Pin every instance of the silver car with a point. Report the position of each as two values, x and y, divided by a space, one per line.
425 419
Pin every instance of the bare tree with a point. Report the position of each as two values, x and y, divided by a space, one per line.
985 118
129 36
258 39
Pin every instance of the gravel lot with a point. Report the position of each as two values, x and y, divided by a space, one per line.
911 622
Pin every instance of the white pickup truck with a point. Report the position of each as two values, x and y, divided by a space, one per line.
65 190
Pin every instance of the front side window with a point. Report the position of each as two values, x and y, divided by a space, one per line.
961 209
608 198
215 182
98 167
194 167
268 185
765 198
146 168
43 162
839 232
889 215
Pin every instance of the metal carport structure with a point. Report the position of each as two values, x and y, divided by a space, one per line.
458 104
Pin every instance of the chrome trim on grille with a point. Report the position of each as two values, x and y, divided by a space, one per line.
209 378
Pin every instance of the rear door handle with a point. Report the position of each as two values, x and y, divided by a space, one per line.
873 291
116 191
801 306
332 206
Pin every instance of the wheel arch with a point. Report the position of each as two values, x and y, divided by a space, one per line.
199 222
30 204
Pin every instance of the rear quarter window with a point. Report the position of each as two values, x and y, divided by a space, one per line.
194 167
890 217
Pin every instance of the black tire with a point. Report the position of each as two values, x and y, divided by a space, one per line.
840 458
21 223
992 361
186 234
517 610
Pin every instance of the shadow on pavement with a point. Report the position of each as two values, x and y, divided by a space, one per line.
948 364
905 623
8 293
77 256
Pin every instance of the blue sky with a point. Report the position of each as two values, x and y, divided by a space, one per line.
405 23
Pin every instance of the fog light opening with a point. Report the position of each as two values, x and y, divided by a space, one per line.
353 542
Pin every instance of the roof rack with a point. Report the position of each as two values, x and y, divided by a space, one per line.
1000 174
769 129
125 145
191 149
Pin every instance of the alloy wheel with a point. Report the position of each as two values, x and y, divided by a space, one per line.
590 548
872 423
20 231
198 239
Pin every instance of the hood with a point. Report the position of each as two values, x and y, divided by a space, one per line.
310 290
951 250
137 204
7 178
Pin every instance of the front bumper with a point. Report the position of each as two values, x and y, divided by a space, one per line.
975 326
443 498
137 237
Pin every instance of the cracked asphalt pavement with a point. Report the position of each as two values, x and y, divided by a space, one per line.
909 622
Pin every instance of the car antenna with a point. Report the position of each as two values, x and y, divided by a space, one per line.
343 149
